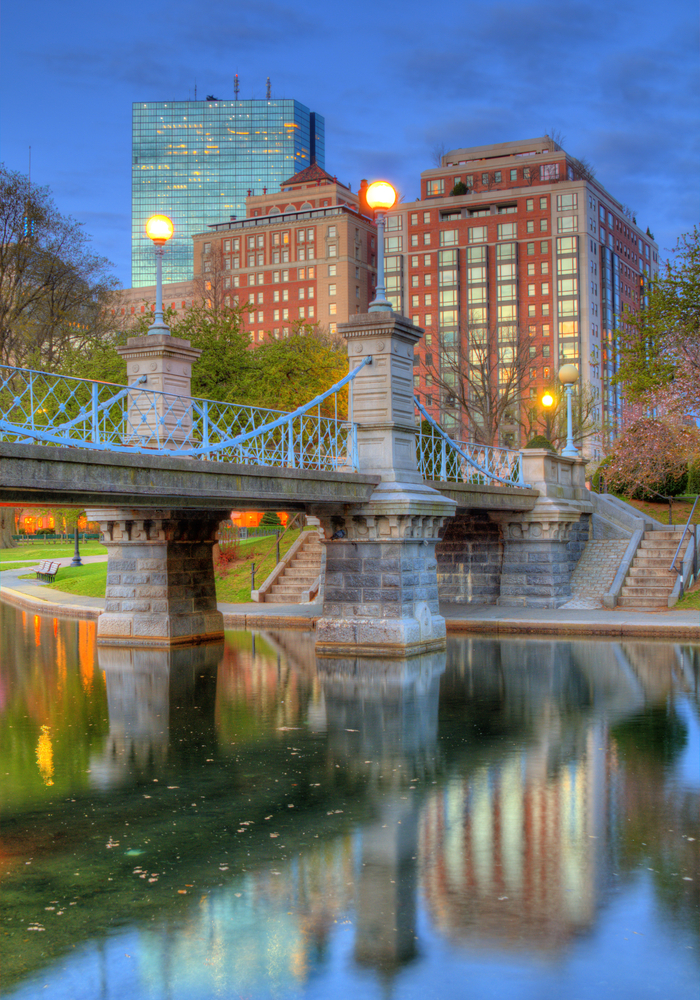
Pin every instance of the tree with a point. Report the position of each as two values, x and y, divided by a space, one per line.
53 289
659 346
650 458
7 527
488 377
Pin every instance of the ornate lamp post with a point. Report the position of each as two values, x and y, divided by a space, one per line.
159 229
568 376
381 196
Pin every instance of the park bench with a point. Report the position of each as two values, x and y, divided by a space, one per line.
47 570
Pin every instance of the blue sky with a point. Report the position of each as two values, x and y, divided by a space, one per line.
393 80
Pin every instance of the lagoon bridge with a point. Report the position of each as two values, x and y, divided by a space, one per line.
162 469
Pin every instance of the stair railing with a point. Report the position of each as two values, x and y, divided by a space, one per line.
689 527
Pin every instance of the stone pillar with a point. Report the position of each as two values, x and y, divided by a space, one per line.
536 569
164 364
381 573
160 577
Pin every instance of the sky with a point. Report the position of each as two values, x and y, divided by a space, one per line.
395 81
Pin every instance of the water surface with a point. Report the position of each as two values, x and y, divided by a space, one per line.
516 818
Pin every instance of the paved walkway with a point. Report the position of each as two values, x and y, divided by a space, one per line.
461 618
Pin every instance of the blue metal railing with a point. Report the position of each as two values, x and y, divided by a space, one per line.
440 459
37 407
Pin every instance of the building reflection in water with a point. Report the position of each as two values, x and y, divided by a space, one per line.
490 792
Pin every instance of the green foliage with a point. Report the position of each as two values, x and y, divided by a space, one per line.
694 476
540 441
270 519
657 344
459 188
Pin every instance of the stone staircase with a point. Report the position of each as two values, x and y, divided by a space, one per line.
299 574
649 581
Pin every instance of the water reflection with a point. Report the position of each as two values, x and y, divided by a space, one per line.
243 819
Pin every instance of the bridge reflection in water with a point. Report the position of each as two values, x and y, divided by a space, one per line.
278 823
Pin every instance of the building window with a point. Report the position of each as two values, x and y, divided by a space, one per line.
485 180
302 312
311 312
332 250
545 308
276 314
302 293
448 237
332 308
530 249
428 299
478 234
531 310
332 291
530 226
544 225
332 232
544 267
261 316
415 301
426 239
331 270
514 175
434 188
567 223
507 230
414 281
549 172
544 246
545 288
414 239
310 293
260 298
285 295
497 177
285 314
530 289
414 218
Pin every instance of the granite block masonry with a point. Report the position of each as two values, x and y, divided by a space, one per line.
160 578
381 572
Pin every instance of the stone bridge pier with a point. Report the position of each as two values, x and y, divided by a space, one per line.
381 591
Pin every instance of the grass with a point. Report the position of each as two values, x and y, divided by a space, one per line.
681 510
232 583
690 601
30 552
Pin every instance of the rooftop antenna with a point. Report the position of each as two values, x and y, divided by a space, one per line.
268 95
236 87
195 90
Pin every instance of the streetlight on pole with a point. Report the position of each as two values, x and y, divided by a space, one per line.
159 229
380 196
547 404
568 376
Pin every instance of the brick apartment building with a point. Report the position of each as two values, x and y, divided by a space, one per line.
303 254
535 243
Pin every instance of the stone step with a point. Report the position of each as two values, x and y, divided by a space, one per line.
660 572
660 562
665 534
659 553
281 599
637 590
641 602
298 573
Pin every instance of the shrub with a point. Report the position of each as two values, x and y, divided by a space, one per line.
459 188
540 441
694 476
270 519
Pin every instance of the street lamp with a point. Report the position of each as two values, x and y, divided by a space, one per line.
547 404
380 196
159 229
568 376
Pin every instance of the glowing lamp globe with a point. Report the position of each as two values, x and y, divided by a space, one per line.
381 196
159 228
548 399
568 374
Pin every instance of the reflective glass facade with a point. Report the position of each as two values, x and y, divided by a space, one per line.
197 160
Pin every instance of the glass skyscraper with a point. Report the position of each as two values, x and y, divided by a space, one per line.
196 161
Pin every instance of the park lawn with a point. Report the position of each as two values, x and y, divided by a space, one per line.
681 510
690 601
30 552
232 584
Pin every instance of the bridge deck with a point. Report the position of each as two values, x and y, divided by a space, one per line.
41 476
